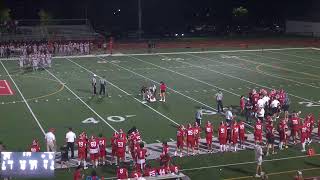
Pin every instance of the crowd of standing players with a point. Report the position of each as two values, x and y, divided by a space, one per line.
264 109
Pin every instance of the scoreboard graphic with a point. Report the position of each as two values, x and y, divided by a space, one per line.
27 164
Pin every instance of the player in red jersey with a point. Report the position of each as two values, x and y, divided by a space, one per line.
242 104
295 124
122 173
102 146
258 132
35 147
180 140
123 135
209 136
282 129
165 160
165 148
163 89
121 149
174 169
136 174
242 132
197 132
141 157
190 139
94 151
150 172
235 135
310 123
82 150
304 135
222 136
113 146
162 171
270 131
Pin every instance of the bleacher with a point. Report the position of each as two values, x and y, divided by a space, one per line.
61 30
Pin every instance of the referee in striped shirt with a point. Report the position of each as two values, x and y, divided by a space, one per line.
219 98
94 84
103 84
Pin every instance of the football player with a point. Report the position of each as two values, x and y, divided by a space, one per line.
180 140
209 136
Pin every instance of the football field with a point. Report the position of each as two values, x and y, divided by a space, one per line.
61 97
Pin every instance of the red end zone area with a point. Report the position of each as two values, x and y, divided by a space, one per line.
5 88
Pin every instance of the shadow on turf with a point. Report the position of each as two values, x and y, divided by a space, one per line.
241 170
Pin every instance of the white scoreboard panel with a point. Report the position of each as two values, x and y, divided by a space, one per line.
27 164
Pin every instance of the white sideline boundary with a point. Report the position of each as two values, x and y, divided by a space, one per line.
168 53
249 162
115 86
81 100
24 99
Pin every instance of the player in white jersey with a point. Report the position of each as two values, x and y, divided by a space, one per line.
2 51
87 48
34 62
81 48
21 61
48 59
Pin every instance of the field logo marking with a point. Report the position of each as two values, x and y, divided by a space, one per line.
101 62
115 61
208 112
229 57
172 59
119 118
90 120
5 88
310 104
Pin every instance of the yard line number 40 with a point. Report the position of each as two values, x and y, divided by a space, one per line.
310 104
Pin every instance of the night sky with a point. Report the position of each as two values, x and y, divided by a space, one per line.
164 13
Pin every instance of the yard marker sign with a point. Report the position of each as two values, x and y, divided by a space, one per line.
5 88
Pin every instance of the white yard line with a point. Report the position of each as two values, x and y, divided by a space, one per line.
24 99
283 60
188 97
292 55
187 77
79 98
117 87
249 162
228 75
264 73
